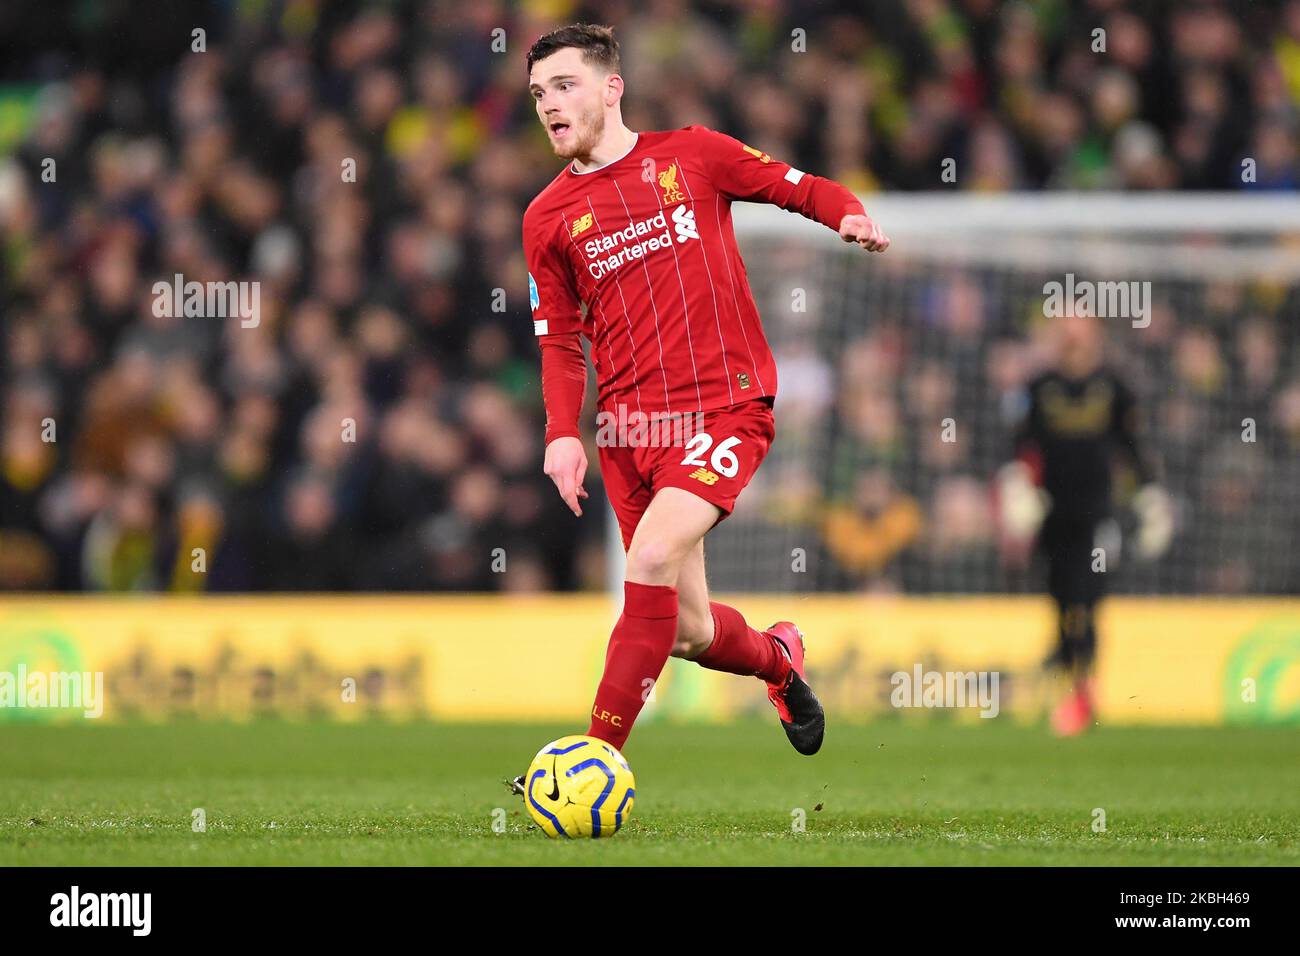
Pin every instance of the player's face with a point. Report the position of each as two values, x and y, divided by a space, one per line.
569 96
1079 343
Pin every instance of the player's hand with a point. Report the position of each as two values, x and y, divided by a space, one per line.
865 232
1021 507
1155 513
1021 504
566 465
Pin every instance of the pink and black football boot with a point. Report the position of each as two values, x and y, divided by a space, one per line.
800 711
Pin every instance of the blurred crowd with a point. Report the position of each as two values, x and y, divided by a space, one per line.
368 164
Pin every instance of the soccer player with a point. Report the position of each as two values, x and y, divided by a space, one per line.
1079 419
631 245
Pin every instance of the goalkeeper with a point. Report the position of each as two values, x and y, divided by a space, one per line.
1079 418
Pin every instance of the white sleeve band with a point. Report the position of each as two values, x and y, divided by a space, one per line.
793 175
540 326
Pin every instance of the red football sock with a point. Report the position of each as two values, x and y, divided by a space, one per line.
739 649
638 649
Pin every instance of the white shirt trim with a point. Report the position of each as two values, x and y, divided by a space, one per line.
581 172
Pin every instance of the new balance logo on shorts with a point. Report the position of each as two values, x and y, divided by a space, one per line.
704 475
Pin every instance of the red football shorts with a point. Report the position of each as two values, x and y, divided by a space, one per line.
712 454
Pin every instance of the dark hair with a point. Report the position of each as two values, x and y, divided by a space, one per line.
597 43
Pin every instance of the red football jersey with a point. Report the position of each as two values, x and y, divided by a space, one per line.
646 242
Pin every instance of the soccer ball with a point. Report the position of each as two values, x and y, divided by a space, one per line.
579 787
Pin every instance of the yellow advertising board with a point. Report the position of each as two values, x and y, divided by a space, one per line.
1166 661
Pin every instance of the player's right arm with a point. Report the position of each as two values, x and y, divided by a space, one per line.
1022 504
557 322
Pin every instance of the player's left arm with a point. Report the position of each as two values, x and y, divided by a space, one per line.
747 174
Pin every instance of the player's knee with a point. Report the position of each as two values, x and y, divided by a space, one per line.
652 562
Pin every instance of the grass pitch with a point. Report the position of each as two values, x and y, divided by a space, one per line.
893 793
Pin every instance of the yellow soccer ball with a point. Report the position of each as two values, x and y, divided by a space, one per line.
579 787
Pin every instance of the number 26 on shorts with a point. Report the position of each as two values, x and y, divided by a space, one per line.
723 460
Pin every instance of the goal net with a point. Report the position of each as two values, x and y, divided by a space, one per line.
901 375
